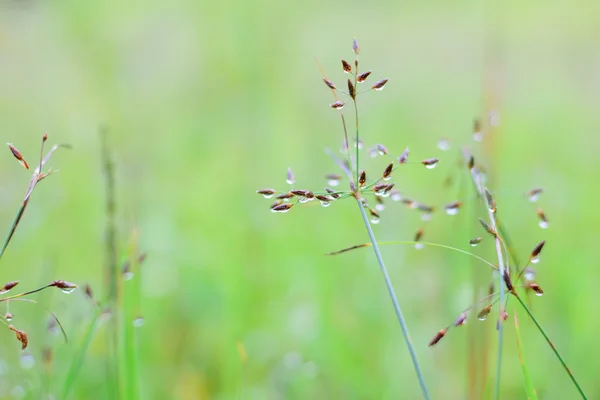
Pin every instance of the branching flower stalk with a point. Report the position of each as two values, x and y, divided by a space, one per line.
359 185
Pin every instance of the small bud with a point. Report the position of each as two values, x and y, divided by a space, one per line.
290 179
18 156
403 159
346 66
508 281
282 208
351 89
538 249
8 316
477 134
475 241
363 77
355 46
437 337
362 179
379 85
418 237
387 172
471 163
65 286
534 194
484 313
267 193
87 289
452 208
329 84
488 228
338 105
490 201
430 163
21 336
543 223
461 320
332 193
381 149
8 286
536 288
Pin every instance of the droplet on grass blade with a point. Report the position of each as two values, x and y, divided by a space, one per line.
529 274
430 163
380 206
358 144
8 316
138 322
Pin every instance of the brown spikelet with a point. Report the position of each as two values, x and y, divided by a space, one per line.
324 199
87 289
374 213
363 77
387 172
490 201
403 159
379 85
63 285
418 235
488 228
389 188
8 286
299 192
537 250
18 156
471 163
362 179
379 188
351 89
485 312
338 105
430 162
424 208
266 192
281 208
346 66
475 241
452 208
536 288
508 281
542 216
329 84
534 194
8 316
438 336
21 336
332 193
285 196
461 320
355 46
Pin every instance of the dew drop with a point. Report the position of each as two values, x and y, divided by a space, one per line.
138 322
396 196
380 207
543 224
27 361
419 246
477 136
386 193
529 274
8 316
375 220
539 294
128 275
534 197
268 196
68 290
325 203
358 144
482 317
426 216
431 166
451 210
443 144
303 199
535 260
387 178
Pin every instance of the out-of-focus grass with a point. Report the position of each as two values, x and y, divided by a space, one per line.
207 102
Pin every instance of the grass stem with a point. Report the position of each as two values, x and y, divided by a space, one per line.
397 308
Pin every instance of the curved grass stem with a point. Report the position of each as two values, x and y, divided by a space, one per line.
397 308
562 361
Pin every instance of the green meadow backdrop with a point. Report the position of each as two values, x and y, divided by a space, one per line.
205 102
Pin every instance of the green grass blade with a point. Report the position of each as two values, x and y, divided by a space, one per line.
529 388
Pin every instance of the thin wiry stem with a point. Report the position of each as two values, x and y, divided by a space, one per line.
390 288
501 267
562 361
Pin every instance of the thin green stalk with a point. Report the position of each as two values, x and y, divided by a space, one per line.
390 288
562 361
502 270
529 388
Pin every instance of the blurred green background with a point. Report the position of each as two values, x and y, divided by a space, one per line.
207 102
